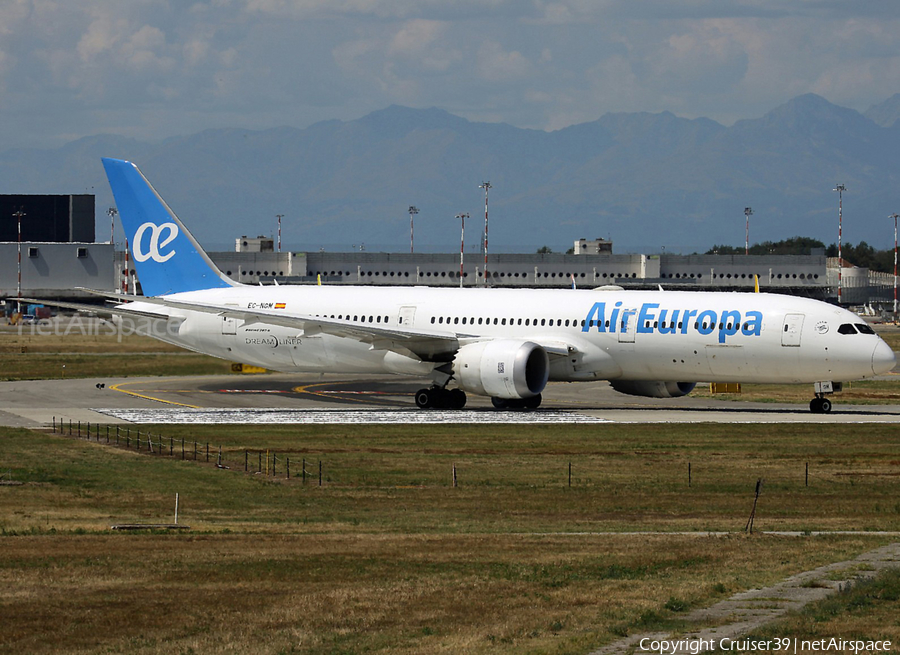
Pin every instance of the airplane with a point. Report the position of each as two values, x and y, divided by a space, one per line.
506 344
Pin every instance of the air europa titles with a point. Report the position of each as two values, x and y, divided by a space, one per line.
650 318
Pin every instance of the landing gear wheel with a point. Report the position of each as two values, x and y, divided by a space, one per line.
424 398
820 405
456 398
438 398
533 403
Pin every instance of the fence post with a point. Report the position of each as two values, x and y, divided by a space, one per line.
207 452
320 472
54 425
749 528
182 448
107 434
171 447
70 427
245 461
303 471
259 461
79 429
219 460
570 474
690 478
117 435
274 460
287 464
454 475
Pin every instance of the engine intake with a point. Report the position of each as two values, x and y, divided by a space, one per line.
652 388
502 368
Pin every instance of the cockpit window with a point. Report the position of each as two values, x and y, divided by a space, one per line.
847 328
864 328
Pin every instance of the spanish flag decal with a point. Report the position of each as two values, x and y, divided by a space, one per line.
279 305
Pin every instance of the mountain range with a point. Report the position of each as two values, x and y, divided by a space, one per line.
647 181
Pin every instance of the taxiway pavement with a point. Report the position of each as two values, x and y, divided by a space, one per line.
332 398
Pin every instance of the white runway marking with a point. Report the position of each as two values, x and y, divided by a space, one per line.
342 416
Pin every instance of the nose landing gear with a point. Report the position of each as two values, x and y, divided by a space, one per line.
820 404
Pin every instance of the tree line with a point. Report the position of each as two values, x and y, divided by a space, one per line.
861 254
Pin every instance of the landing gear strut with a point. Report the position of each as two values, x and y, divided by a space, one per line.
439 398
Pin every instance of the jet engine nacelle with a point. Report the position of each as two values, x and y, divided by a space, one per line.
653 389
502 368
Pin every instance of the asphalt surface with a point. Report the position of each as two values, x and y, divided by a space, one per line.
297 398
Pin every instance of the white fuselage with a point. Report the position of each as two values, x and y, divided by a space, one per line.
607 334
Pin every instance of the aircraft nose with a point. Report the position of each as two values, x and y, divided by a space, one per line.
883 358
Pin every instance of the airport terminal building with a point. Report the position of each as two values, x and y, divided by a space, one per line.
57 254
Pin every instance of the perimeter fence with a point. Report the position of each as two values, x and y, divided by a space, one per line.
255 461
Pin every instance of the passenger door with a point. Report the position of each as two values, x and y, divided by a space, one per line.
793 327
407 316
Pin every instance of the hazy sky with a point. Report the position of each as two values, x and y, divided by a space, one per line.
152 69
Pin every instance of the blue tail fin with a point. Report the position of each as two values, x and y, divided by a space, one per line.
167 257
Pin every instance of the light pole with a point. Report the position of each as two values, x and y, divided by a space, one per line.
462 245
279 217
486 186
747 212
413 210
19 214
895 216
840 188
112 212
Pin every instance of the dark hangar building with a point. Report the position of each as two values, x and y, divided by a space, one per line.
48 218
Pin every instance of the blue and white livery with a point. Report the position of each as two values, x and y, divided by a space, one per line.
503 343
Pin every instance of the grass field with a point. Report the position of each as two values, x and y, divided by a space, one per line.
90 349
387 556
867 610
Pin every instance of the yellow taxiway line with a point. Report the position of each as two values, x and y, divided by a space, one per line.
118 387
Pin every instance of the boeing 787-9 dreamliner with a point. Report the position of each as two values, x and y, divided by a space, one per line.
506 344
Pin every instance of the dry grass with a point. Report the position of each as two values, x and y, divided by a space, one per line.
387 557
864 611
376 593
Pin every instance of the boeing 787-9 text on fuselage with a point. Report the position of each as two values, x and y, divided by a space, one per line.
506 344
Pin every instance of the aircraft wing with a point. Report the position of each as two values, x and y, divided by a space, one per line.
437 346
102 310
429 346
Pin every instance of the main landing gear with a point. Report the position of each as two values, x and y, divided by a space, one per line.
517 403
439 398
